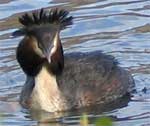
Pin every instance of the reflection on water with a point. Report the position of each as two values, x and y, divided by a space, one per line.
120 28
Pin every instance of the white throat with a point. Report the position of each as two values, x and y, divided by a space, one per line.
46 94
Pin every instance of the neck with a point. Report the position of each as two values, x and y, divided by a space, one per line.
46 93
45 77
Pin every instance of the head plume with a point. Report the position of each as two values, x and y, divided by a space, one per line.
55 16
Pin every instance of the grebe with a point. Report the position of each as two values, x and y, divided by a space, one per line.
56 81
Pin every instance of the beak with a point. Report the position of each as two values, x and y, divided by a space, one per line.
52 49
47 53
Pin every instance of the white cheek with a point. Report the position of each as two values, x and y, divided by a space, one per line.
54 49
38 50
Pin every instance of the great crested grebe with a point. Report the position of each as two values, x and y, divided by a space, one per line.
57 81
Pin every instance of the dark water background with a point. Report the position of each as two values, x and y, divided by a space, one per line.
117 27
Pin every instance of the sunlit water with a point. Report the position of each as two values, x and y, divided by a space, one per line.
117 27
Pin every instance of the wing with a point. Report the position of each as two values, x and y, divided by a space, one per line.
92 78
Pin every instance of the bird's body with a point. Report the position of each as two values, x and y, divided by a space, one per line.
82 83
59 82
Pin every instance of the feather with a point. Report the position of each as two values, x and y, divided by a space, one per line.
54 16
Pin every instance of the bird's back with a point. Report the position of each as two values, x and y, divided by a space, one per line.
92 78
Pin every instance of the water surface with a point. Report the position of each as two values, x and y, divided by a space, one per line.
117 27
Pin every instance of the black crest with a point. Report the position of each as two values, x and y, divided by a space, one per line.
54 16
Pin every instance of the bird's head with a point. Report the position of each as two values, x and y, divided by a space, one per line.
42 40
45 41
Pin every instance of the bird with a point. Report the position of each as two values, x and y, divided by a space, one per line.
61 81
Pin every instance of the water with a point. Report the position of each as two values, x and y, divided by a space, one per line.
117 27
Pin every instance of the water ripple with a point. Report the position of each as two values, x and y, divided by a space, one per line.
120 28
